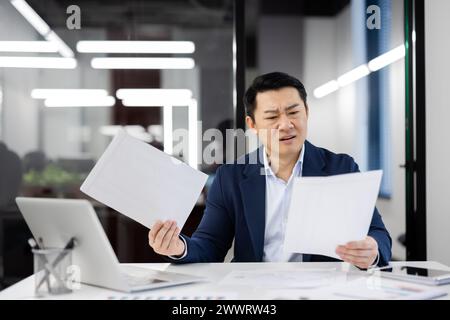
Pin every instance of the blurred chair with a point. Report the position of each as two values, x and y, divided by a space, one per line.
11 177
15 256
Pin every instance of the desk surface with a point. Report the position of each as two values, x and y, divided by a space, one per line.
213 289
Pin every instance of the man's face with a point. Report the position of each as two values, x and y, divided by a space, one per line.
281 119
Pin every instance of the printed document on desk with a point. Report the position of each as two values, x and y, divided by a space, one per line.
144 183
376 288
329 211
301 278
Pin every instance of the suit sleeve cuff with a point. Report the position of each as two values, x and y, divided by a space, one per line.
184 253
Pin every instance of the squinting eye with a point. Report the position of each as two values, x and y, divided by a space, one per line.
271 118
295 112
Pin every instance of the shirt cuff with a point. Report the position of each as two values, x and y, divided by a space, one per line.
376 261
184 253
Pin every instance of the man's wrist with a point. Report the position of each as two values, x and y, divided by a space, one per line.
183 254
375 263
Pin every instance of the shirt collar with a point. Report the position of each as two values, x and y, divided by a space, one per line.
297 168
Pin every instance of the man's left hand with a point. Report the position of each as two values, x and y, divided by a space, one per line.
361 253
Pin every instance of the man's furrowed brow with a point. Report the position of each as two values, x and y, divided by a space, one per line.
292 106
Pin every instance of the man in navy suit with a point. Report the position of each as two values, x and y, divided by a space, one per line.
248 200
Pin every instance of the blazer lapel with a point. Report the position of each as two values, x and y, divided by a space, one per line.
313 162
253 190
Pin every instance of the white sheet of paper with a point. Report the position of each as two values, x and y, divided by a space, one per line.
310 278
144 183
329 211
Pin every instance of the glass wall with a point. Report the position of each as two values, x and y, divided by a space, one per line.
71 76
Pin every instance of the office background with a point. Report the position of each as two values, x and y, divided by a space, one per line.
47 151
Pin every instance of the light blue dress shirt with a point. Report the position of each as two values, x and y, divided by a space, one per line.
278 198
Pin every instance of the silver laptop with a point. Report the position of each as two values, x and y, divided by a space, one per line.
57 220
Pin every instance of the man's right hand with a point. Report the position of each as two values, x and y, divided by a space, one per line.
163 238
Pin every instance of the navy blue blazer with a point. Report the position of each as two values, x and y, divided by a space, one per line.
235 208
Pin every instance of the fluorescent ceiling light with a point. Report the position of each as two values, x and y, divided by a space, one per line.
154 97
63 48
136 46
353 75
154 93
387 58
363 70
142 63
107 101
38 62
326 89
155 102
32 17
133 130
110 130
27 46
42 27
67 93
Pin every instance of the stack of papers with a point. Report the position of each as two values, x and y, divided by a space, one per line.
144 183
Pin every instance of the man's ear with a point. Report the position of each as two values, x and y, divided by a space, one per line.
250 123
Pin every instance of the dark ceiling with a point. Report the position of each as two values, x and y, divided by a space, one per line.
303 7
185 13
116 13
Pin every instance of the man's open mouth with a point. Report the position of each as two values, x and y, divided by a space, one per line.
287 138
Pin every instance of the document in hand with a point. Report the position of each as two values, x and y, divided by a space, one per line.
144 183
329 211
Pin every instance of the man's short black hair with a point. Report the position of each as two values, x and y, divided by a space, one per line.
271 81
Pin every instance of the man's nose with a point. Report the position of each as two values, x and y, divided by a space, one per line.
284 123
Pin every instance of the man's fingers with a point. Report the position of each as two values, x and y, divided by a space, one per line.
154 231
363 244
160 236
168 237
354 260
358 253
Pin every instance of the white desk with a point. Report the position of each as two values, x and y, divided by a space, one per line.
214 272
